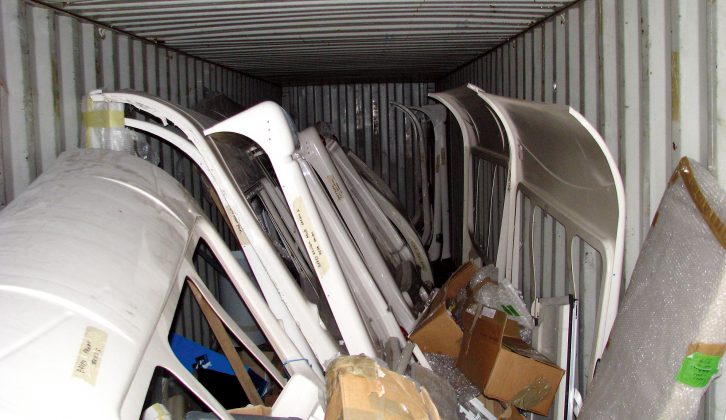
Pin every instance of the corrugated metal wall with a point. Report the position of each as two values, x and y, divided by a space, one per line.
295 42
650 75
48 61
365 122
645 73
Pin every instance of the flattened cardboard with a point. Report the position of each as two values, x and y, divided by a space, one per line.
506 368
437 332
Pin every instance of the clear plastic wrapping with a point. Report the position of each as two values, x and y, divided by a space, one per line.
495 295
487 272
674 308
503 297
104 128
445 367
441 392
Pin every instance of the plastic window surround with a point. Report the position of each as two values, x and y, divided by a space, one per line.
423 165
159 352
478 128
602 230
487 214
561 162
268 125
316 155
393 229
258 308
440 247
256 304
299 317
369 298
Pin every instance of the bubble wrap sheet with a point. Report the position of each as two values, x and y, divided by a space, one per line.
677 296
445 366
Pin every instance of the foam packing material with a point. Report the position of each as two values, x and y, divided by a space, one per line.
669 335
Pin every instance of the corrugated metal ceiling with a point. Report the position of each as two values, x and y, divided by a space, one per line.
307 42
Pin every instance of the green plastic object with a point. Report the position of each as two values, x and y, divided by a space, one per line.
509 309
697 369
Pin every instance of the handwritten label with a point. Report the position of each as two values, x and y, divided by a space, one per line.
415 250
90 354
335 187
320 261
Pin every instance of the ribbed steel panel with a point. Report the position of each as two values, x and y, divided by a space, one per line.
365 122
305 42
50 60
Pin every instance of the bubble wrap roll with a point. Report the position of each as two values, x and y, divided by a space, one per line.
676 299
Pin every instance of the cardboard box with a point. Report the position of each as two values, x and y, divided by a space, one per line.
437 332
358 389
503 366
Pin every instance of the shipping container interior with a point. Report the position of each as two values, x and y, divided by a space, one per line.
648 75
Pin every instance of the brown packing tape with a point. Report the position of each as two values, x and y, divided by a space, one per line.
405 387
511 328
356 365
384 398
712 349
502 373
103 119
507 413
714 222
532 394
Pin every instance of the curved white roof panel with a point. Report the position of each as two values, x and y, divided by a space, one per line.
86 261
